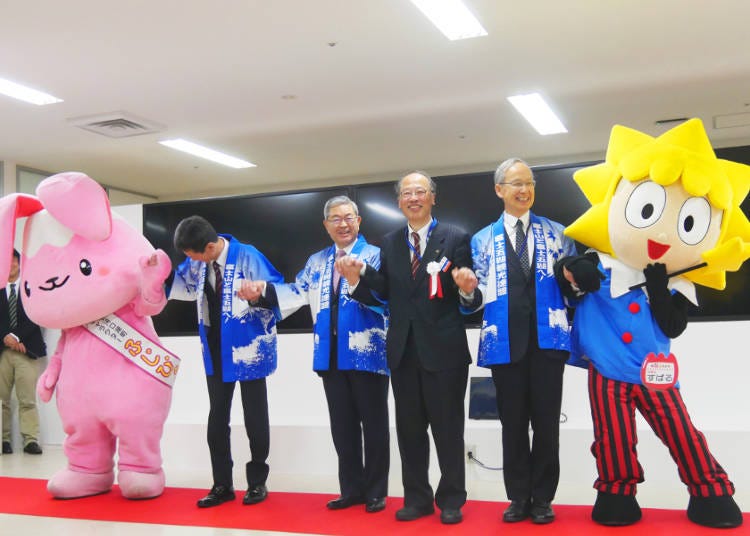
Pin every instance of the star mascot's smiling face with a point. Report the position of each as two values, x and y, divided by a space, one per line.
667 200
651 223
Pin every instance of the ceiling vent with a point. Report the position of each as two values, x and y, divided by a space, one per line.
116 124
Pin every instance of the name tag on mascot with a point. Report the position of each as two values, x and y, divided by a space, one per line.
658 371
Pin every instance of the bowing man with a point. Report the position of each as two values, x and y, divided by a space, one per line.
238 342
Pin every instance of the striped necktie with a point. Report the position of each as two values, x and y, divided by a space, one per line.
219 279
13 306
415 255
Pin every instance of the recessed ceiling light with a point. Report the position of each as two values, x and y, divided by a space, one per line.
26 94
452 18
209 154
538 113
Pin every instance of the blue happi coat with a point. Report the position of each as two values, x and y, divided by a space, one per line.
489 255
248 334
361 329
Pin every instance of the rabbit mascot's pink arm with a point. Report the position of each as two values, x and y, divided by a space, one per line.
81 266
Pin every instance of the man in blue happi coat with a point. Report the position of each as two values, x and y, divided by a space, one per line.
524 339
238 342
348 354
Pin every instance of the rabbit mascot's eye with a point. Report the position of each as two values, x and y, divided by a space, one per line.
85 267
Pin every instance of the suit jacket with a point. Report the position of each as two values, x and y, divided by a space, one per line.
29 333
437 324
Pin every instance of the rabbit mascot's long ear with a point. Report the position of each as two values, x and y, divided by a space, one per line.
64 194
12 207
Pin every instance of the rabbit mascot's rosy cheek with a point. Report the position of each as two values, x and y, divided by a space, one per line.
98 280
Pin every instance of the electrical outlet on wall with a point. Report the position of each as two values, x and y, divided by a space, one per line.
470 451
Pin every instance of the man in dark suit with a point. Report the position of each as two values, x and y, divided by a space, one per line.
22 345
421 269
524 339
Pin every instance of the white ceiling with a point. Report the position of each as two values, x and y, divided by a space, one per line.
393 94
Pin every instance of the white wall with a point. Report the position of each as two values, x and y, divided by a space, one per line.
714 372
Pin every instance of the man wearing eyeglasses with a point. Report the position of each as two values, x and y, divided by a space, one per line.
524 339
348 354
422 267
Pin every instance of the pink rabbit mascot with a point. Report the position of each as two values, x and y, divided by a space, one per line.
97 279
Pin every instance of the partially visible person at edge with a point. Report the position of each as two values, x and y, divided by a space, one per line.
23 345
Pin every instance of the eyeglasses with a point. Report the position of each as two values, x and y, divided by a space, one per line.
517 185
336 220
419 194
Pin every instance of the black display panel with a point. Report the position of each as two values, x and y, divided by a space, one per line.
732 303
287 228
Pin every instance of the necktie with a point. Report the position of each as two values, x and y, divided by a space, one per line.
336 274
219 279
12 306
521 249
415 255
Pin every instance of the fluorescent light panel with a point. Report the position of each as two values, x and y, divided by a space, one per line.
388 212
209 154
452 18
537 112
26 94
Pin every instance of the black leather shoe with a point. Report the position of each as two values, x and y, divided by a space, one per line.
255 494
451 516
517 511
375 505
410 513
541 512
7 449
344 502
32 448
218 495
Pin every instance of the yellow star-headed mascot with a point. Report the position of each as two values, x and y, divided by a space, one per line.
665 215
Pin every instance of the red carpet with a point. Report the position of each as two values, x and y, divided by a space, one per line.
306 513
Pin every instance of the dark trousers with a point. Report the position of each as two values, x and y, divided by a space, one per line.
255 410
358 408
530 392
436 399
613 405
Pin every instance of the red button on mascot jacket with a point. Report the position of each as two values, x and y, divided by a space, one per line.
659 206
79 265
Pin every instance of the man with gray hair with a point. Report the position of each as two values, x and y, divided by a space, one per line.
423 268
525 338
348 354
